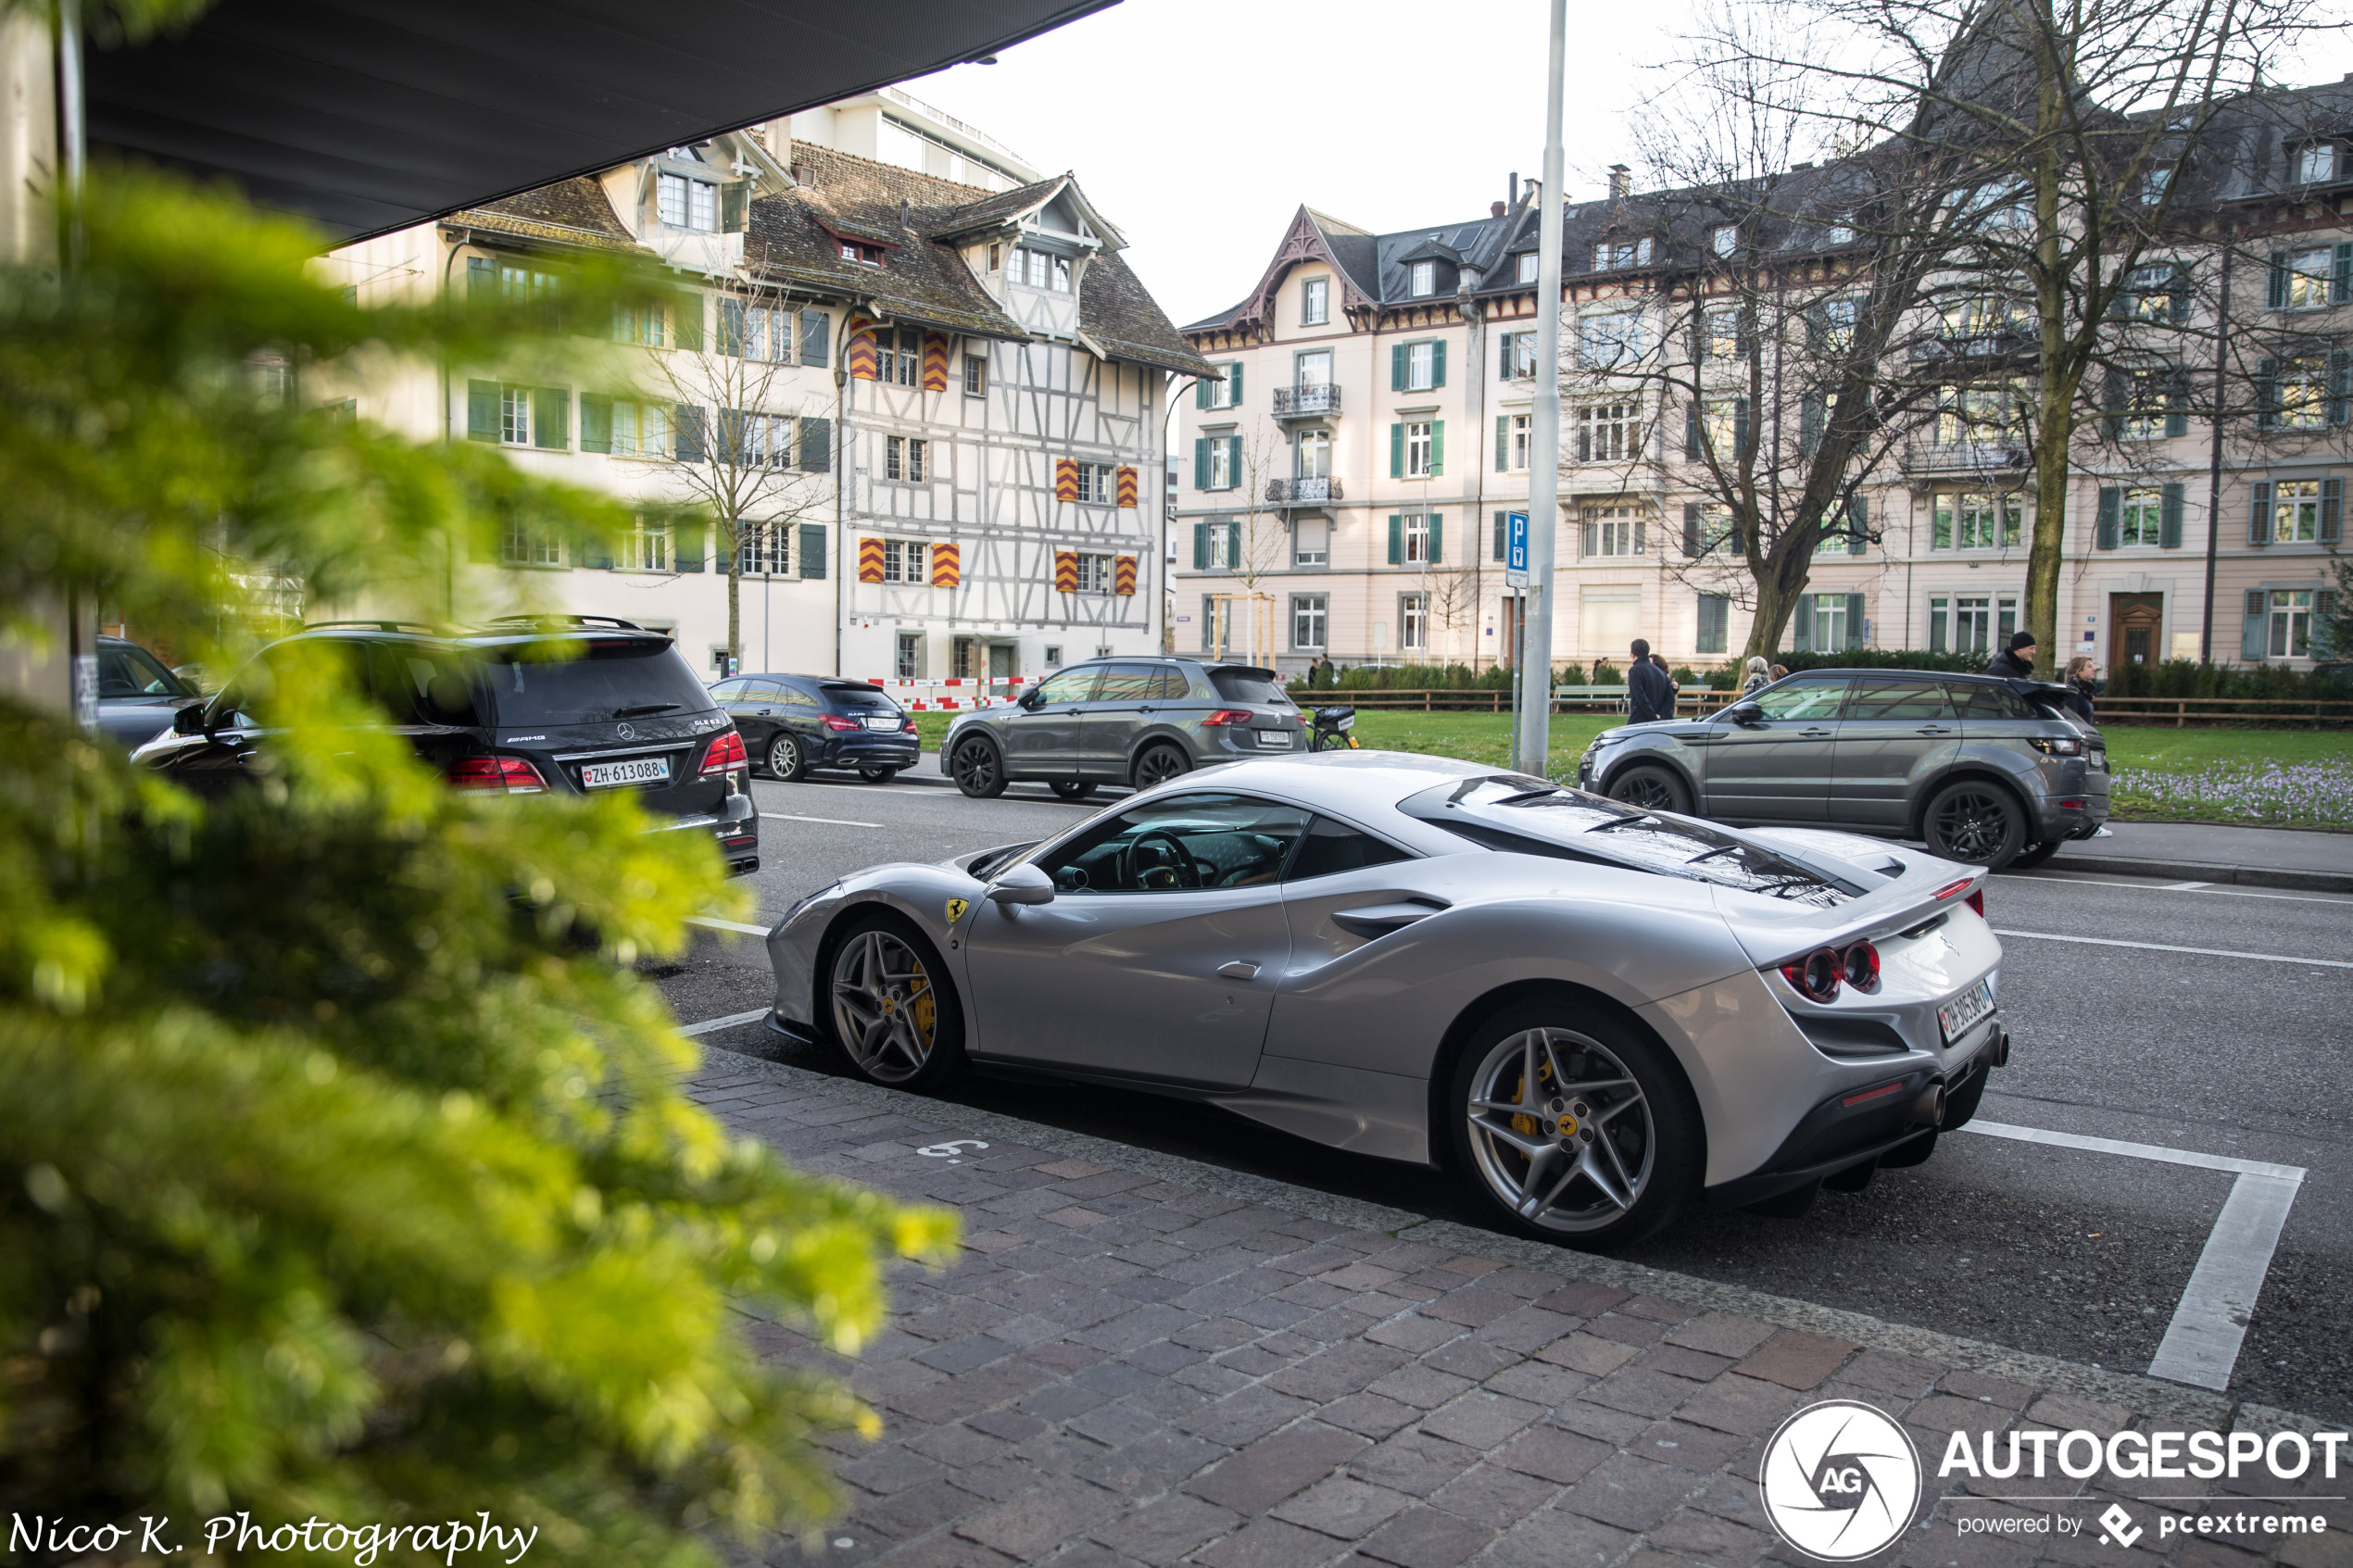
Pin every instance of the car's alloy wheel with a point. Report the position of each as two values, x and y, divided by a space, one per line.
1651 789
784 759
1159 765
891 1013
1975 823
1074 789
976 768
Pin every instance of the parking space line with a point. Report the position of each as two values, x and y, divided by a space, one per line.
712 1025
2167 948
715 925
829 822
2209 1328
2181 886
2068 880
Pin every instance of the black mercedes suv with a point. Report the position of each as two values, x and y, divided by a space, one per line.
526 706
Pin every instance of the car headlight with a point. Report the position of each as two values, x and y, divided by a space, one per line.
2057 745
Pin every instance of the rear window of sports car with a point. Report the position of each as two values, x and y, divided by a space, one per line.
1530 816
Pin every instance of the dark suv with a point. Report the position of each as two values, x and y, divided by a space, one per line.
523 707
1123 720
1985 770
136 695
792 724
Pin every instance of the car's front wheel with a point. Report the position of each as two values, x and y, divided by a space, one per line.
978 768
1159 764
893 1009
786 760
1652 789
1575 1125
1977 823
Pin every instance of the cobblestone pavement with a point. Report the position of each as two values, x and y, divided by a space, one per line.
1141 1360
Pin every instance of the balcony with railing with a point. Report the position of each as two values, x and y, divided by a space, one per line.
1302 492
1306 402
1961 458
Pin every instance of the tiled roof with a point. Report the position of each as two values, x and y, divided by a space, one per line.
571 211
1115 311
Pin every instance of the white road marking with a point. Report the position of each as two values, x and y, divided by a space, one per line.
830 821
2202 1343
2181 886
727 926
2168 948
712 1025
2066 879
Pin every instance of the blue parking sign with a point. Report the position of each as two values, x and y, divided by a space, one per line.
1516 550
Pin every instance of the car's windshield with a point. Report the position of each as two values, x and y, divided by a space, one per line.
1178 842
848 693
590 682
1530 816
1238 684
128 671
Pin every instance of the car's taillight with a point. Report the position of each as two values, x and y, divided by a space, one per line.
1977 902
1816 976
726 752
1230 717
510 775
836 723
1952 887
1860 964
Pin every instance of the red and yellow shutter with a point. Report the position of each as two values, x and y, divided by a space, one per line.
935 362
1123 577
946 568
1066 479
1127 487
860 354
870 554
1065 571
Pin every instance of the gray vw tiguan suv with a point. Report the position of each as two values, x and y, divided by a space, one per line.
1984 770
1123 720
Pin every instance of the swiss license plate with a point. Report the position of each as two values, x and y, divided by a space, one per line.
889 723
1966 1012
637 770
1279 739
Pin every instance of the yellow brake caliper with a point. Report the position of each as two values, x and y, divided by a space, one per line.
1524 1125
921 1006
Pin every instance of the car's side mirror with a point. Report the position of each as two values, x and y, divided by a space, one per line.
1027 702
189 721
1022 885
1744 713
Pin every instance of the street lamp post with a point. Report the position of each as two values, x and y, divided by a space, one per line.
1535 720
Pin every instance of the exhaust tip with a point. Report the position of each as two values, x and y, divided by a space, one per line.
2002 1049
1928 1108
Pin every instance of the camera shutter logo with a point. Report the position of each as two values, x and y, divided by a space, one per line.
1840 1481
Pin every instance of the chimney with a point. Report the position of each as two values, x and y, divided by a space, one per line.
1621 182
1516 185
902 212
1495 209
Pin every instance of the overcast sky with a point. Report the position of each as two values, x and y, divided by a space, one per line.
1200 126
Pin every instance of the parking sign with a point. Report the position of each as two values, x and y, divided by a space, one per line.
1515 549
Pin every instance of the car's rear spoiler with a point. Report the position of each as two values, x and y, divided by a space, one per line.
1912 889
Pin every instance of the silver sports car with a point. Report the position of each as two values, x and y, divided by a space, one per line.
1596 1014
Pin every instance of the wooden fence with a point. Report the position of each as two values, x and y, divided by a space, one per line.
2178 712
2182 711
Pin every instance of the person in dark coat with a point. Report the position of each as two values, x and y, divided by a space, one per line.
1650 695
2017 661
2082 688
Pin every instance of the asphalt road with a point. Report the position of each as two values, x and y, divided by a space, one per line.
2063 1251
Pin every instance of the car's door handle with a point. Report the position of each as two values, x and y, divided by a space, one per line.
1379 919
1143 710
1240 969
1934 730
1814 735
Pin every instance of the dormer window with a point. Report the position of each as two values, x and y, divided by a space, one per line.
1528 265
1840 235
1611 255
865 256
2316 165
681 202
1421 279
1040 270
1724 239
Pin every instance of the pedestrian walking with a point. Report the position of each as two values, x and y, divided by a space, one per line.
1760 676
1779 672
2017 661
2081 688
1674 686
1650 695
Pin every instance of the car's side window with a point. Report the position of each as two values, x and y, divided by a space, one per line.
1071 686
415 688
1178 843
729 691
1332 847
1990 702
793 696
1170 685
1895 700
1126 683
1803 698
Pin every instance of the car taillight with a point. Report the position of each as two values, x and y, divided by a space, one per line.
726 752
1230 717
1952 887
1977 902
1816 976
510 775
834 721
1860 965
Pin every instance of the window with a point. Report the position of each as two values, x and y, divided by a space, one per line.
2316 165
1220 532
975 375
1312 457
1096 484
1975 521
1715 623
1976 415
1422 279
765 549
2155 293
996 257
1970 624
1220 466
1613 254
1518 431
2150 400
1307 619
1419 454
515 416
865 256
272 378
1529 262
2291 624
680 203
1979 314
1517 356
767 333
1315 370
903 364
1415 540
2295 511
1315 302
1711 528
1094 574
1225 391
904 562
1724 240
1608 433
1724 422
1609 339
2154 184
640 325
1332 848
757 441
2141 517
1160 845
1413 621
2301 278
1311 543
1838 235
909 662
1830 623
640 430
1421 367
1834 331
1053 653
2295 393
903 459
1720 335
1614 530
519 546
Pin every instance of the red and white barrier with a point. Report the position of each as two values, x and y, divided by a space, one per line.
977 690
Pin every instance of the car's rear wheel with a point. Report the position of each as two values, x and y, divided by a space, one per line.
2036 853
1976 824
893 1010
877 775
1072 789
786 760
1574 1125
1159 764
1652 789
978 768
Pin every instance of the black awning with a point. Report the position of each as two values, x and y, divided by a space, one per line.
371 114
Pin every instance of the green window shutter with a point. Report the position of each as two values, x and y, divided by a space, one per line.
1437 446
1396 540
731 208
1437 363
1691 528
1690 429
2111 516
2169 526
1502 440
816 446
597 556
688 541
2177 403
2341 387
1853 620
1504 360
481 277
1201 397
1858 525
2331 510
595 423
1802 639
1502 535
551 417
1201 546
1437 538
1809 424
686 431
816 337
2275 295
482 411
814 553
1200 462
2251 630
1397 451
2115 397
1739 429
1589 539
1396 367
2259 515
1234 383
2267 392
1233 543
1233 462
2341 281
2178 308
685 321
